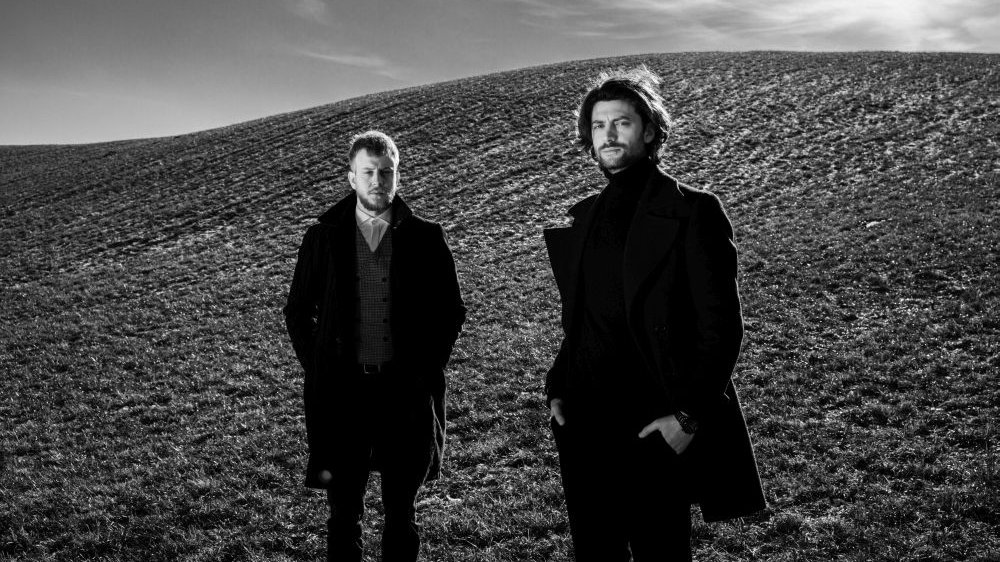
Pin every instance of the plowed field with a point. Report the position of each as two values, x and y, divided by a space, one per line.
150 404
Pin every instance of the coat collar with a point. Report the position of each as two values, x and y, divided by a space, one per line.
661 196
651 234
343 211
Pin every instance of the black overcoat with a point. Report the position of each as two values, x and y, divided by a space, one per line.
683 310
427 315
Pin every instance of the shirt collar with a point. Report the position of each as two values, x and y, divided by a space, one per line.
363 216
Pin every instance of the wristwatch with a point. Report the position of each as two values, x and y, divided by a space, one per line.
688 424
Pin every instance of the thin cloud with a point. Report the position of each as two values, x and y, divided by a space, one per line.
941 25
30 89
372 63
553 9
312 10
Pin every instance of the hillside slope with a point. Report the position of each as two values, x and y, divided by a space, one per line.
152 403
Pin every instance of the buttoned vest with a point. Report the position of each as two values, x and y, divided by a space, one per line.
373 323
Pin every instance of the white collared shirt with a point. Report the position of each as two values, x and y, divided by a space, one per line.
373 226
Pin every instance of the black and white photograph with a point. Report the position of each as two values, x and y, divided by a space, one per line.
500 281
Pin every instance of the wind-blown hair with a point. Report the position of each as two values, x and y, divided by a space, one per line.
638 85
376 143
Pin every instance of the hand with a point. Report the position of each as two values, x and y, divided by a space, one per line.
325 477
556 408
671 431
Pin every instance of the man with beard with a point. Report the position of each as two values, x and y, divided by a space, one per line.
373 311
644 413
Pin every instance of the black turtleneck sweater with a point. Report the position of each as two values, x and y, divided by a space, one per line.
607 367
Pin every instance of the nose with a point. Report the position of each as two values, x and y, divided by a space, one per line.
376 179
612 133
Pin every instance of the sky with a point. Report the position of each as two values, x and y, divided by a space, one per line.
77 71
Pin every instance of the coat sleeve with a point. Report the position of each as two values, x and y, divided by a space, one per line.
559 243
302 306
301 319
556 376
711 265
449 298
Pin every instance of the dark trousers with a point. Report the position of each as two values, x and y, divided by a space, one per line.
384 441
624 495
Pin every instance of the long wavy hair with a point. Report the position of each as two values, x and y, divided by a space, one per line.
641 87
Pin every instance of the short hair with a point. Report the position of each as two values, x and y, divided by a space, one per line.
638 85
376 143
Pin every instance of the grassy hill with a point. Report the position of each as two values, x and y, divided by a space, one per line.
150 402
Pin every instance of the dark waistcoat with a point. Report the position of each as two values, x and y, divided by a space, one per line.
373 325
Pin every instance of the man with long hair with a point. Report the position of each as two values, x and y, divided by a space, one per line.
644 414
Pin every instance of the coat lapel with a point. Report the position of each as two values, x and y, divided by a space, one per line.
565 247
652 233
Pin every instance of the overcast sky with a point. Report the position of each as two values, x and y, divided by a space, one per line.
91 70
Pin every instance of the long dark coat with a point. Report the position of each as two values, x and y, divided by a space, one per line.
427 315
683 310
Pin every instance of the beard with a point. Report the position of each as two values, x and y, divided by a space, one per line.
618 160
376 203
